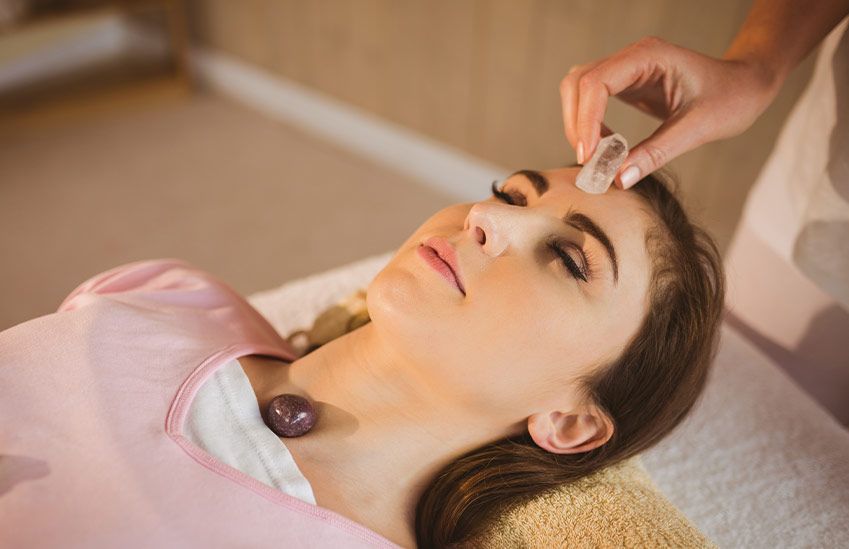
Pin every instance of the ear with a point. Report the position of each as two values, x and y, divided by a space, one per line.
570 432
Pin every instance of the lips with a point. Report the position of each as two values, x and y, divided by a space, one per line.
446 253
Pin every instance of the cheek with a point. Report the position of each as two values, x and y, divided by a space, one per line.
534 337
391 297
538 313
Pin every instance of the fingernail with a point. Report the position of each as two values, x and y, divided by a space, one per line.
630 176
580 152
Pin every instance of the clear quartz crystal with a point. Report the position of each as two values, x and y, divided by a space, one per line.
597 174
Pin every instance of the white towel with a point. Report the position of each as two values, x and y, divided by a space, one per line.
800 203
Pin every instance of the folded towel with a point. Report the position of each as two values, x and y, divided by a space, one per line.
618 506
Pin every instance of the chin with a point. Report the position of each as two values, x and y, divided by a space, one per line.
408 302
394 293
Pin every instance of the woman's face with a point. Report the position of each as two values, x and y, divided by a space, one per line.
512 341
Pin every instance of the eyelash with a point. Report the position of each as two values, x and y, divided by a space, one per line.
556 246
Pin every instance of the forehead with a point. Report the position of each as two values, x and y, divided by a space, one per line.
619 213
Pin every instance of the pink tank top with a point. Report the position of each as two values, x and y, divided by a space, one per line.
92 404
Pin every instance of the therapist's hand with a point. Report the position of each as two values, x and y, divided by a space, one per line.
698 98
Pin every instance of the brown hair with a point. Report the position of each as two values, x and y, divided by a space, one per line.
646 392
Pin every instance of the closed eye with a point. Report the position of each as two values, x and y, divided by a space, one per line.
583 272
513 197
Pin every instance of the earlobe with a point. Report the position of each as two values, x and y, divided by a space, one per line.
570 432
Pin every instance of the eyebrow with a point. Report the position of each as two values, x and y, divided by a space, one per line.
576 219
539 181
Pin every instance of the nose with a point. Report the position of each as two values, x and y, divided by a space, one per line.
497 227
480 224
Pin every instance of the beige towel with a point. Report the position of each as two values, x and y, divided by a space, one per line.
618 506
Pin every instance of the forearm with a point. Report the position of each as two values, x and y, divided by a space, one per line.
778 34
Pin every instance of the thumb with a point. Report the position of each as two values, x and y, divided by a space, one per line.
679 134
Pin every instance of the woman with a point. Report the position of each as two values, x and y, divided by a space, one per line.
571 331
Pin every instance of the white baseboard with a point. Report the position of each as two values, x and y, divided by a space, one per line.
440 166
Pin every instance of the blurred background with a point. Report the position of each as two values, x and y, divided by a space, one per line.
264 140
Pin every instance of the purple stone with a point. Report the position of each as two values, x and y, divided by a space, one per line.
290 415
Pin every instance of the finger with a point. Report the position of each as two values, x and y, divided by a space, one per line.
592 103
681 133
569 103
609 77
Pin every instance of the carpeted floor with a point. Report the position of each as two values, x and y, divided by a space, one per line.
203 179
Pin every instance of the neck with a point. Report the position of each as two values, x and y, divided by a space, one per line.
383 430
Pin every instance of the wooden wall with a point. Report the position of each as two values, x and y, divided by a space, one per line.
483 75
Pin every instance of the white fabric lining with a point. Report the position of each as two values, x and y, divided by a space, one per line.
224 420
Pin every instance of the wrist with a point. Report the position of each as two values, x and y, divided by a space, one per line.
767 72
